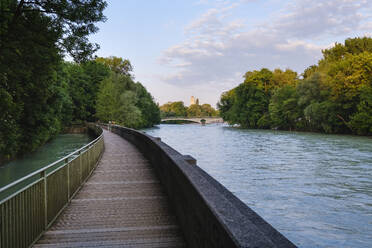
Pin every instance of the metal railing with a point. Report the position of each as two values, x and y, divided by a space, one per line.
37 199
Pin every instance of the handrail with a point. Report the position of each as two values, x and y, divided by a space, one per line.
29 209
48 166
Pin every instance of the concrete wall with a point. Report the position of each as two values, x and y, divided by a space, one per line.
209 214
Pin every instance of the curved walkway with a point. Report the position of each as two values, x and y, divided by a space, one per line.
121 205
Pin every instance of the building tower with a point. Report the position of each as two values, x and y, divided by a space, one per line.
192 101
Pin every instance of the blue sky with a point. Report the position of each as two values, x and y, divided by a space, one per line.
203 47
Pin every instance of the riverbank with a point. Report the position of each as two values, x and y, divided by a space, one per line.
297 131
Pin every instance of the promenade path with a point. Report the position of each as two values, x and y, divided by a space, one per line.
121 205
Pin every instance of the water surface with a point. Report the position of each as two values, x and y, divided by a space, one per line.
316 189
55 149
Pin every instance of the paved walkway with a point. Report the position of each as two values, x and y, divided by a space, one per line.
121 205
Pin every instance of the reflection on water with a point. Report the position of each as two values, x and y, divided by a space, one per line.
316 189
57 148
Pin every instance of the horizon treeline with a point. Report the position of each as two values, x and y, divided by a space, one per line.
40 93
178 109
334 96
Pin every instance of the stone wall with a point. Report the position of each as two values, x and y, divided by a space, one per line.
209 214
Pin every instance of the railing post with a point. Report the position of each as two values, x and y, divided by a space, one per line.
68 179
81 167
44 176
89 162
189 159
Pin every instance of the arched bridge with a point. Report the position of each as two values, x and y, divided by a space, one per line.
208 120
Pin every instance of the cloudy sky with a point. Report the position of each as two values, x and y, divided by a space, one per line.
203 47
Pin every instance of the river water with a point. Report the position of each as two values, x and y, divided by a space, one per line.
316 189
55 149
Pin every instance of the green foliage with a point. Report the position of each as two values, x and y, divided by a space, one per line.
178 109
35 100
250 104
283 108
117 65
361 121
125 102
207 110
333 97
150 111
225 105
194 110
171 109
84 80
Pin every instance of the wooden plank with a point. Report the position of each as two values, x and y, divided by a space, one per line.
121 205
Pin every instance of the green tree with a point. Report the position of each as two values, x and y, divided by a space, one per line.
194 110
126 102
150 111
174 109
35 35
117 64
361 121
334 96
250 105
207 110
283 109
225 104
84 81
282 78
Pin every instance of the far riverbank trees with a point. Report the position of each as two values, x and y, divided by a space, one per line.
178 109
334 96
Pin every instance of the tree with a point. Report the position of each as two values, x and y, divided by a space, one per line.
283 78
225 105
194 110
117 65
84 81
150 111
283 109
334 96
361 121
174 109
128 103
35 35
250 105
70 22
207 110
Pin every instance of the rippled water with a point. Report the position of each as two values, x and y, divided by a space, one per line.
316 189
55 149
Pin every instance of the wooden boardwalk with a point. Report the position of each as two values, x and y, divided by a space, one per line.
121 205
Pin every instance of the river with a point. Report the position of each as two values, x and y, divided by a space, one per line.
316 189
53 150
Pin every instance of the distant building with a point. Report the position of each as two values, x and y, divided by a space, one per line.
192 101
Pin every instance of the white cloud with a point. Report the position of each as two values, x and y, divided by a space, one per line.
219 49
314 18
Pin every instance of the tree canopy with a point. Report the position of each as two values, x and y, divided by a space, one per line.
333 96
40 94
124 101
178 109
34 89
